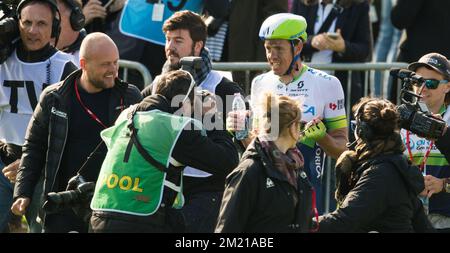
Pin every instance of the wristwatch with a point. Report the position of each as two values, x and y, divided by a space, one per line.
447 185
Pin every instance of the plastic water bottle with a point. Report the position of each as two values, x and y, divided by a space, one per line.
239 106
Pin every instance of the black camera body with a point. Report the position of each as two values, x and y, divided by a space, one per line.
9 28
191 63
420 123
77 196
412 117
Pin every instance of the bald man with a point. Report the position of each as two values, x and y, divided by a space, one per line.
65 130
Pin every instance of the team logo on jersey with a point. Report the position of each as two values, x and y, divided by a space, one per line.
332 106
300 84
340 104
269 183
309 109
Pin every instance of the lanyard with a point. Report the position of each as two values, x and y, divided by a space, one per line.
315 212
425 157
88 111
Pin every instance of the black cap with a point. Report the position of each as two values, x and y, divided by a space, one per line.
434 61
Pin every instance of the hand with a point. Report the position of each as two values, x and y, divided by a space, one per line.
236 120
208 103
20 206
94 9
10 171
116 6
315 129
424 193
319 42
433 185
337 44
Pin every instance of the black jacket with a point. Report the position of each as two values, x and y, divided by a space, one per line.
443 144
384 199
259 199
427 24
356 31
191 149
47 132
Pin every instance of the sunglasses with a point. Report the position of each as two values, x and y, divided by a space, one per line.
431 83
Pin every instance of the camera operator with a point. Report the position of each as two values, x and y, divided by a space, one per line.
185 33
31 66
434 89
65 129
72 31
143 204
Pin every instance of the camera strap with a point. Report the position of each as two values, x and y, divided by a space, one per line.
330 18
138 145
89 157
425 157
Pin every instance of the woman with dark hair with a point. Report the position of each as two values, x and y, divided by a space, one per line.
269 191
377 188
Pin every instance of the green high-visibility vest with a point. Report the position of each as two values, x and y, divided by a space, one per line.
136 186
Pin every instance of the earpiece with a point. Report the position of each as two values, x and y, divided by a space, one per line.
363 129
77 19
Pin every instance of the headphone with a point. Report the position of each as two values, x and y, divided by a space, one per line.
363 129
77 19
56 27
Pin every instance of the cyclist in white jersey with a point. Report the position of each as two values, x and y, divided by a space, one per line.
320 94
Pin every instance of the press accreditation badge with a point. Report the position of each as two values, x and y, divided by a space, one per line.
158 12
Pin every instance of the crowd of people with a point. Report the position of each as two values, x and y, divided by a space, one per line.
81 150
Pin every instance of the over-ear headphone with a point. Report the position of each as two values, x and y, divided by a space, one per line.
77 18
363 129
56 27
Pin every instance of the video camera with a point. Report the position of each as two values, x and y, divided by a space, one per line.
77 196
414 114
9 28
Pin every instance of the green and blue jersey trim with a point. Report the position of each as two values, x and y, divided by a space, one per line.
336 122
432 160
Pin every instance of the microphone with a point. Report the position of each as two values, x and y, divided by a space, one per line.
401 73
406 74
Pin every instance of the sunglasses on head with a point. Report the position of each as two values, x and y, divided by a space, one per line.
431 83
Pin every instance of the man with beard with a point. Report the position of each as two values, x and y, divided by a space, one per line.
65 129
186 34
